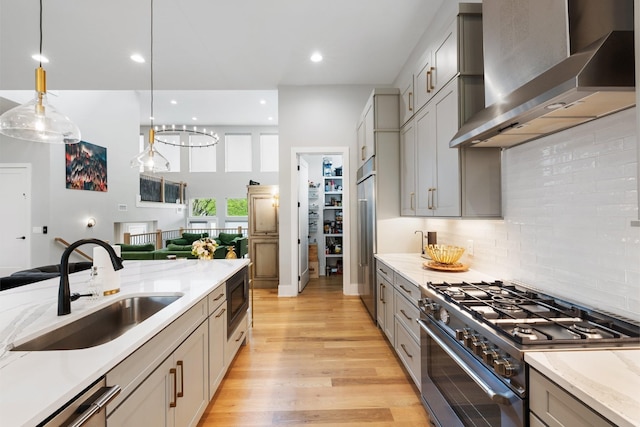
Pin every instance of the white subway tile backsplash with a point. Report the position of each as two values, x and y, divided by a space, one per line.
568 200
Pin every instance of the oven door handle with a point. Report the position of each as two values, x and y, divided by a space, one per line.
495 397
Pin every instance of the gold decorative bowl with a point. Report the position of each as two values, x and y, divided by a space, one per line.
444 254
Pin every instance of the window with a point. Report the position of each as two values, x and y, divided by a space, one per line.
237 207
238 153
203 207
269 153
202 159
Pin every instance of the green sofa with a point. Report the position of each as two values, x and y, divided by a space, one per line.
181 247
224 240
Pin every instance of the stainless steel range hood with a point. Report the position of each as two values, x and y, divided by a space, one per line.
581 57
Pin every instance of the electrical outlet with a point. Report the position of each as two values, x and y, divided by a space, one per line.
469 247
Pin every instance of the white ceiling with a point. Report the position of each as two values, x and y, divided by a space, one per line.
207 46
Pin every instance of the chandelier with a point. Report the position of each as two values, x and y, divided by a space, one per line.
210 137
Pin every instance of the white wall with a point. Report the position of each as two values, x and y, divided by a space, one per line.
569 199
109 119
222 184
319 116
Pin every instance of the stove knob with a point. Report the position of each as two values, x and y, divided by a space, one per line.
470 340
479 347
461 333
489 356
505 368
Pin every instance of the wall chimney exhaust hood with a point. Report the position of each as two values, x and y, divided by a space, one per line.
562 63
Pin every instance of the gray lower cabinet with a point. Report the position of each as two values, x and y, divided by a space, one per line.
397 308
385 306
170 380
406 326
217 337
552 406
175 394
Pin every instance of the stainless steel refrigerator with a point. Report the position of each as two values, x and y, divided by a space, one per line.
366 182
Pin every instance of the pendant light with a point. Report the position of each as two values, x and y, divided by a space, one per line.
150 160
37 120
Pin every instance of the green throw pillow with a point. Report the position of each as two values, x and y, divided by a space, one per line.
227 238
192 237
137 248
174 247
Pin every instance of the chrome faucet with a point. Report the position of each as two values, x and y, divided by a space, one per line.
421 239
64 293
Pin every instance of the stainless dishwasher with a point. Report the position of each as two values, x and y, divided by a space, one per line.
88 409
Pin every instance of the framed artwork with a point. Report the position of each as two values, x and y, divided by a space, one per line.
86 166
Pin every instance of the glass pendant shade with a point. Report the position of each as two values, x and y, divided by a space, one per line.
150 160
39 121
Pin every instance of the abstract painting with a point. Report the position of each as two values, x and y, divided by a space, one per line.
86 166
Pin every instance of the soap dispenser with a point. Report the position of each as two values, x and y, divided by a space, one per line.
95 286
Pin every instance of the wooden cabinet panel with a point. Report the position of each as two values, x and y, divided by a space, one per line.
264 253
263 215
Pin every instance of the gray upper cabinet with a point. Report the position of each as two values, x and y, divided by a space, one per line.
435 179
380 115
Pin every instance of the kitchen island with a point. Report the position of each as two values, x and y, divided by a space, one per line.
35 384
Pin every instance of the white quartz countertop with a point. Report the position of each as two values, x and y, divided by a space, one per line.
411 267
35 384
606 381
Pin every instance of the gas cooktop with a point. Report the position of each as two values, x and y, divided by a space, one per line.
527 317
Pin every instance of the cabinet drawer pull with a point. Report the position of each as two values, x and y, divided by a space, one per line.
221 313
381 290
383 271
405 350
218 297
432 71
240 337
410 101
427 81
172 404
405 289
180 364
405 314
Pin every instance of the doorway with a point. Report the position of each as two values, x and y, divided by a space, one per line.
325 192
15 243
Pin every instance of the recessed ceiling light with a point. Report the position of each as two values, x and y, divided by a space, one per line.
263 102
174 102
136 57
270 118
316 57
40 58
194 118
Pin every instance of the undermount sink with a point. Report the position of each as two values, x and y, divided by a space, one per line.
101 326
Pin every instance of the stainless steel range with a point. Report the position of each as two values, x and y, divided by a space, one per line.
474 337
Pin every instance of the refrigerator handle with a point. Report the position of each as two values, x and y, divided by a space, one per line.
363 260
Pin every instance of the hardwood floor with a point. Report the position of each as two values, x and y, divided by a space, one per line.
317 359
